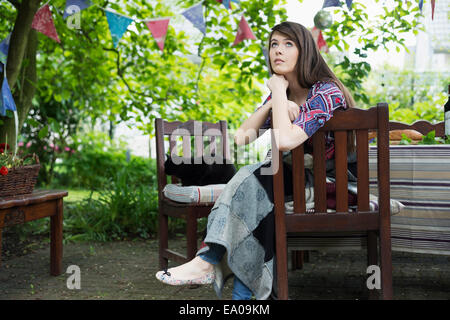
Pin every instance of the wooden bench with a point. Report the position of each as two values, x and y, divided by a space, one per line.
37 205
375 222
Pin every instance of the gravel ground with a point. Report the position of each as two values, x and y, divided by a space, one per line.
126 271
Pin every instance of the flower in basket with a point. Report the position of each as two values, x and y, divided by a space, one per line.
10 161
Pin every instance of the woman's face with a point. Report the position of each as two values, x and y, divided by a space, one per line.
283 54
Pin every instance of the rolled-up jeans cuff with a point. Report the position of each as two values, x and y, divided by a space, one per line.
214 254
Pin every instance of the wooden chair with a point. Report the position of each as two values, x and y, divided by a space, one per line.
422 126
187 131
376 223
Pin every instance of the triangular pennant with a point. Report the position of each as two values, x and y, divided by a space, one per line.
420 5
236 1
349 4
226 3
74 6
43 22
266 56
7 101
318 38
244 32
4 47
195 15
118 24
331 3
432 9
158 28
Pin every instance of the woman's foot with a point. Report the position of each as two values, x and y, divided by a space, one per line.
196 271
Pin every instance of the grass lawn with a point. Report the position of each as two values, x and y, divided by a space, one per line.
74 194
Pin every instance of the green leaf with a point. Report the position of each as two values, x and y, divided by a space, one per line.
43 132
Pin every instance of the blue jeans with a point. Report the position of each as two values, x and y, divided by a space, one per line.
213 256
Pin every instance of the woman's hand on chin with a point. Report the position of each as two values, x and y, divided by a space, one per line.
277 83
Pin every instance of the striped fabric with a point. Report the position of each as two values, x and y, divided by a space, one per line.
420 179
193 194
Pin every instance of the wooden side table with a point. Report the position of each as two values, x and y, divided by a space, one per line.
37 205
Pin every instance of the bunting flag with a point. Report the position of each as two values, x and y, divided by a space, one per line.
331 3
195 15
81 4
236 1
226 3
43 22
158 28
266 56
6 101
244 32
420 5
349 4
318 38
118 24
432 9
4 47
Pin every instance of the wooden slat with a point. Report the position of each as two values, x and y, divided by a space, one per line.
383 200
352 118
280 228
173 255
362 159
340 138
324 222
298 178
320 188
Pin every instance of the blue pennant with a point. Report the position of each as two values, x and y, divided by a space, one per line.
349 4
420 5
195 15
331 3
117 25
4 47
226 3
81 4
7 101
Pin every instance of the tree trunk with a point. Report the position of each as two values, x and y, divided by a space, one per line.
23 46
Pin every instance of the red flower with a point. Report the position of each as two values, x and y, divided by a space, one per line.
2 146
3 171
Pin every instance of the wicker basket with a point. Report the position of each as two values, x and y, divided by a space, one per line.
20 180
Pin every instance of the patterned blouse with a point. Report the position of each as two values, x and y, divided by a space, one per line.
323 98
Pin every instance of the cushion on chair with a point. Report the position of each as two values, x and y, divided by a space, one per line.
396 206
193 194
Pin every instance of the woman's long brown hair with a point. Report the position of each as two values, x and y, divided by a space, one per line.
311 67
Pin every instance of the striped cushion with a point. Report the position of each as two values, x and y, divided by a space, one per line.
193 194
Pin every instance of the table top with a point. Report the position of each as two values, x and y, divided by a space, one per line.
37 196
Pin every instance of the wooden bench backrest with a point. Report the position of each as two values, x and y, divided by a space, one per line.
187 130
357 120
421 126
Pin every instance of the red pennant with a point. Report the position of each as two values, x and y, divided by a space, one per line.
318 38
244 32
43 22
158 28
432 9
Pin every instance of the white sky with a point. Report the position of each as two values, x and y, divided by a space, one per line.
304 13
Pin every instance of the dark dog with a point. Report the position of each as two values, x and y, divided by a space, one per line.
200 174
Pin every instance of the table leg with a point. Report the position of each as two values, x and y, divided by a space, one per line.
56 237
0 247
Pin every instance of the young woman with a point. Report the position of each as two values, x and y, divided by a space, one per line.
240 235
